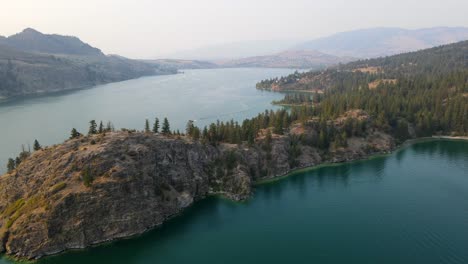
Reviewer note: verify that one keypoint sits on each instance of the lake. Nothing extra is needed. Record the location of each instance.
(408, 207)
(201, 95)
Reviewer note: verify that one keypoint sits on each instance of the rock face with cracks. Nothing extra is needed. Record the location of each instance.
(104, 187)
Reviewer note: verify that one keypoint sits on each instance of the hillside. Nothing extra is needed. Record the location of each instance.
(377, 42)
(34, 63)
(296, 59)
(31, 40)
(300, 59)
(424, 92)
(440, 60)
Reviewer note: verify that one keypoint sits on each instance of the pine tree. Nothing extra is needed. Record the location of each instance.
(196, 133)
(189, 128)
(74, 133)
(36, 145)
(17, 161)
(92, 127)
(101, 128)
(166, 128)
(156, 126)
(10, 165)
(278, 128)
(147, 126)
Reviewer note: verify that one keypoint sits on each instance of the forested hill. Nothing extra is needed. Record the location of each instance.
(419, 94)
(32, 63)
(378, 42)
(428, 63)
(439, 60)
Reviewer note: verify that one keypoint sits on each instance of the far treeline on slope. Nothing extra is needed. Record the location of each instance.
(33, 63)
(426, 91)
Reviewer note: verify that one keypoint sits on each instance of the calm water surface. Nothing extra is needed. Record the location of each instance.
(202, 95)
(409, 207)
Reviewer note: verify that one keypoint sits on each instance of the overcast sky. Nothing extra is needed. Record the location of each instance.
(152, 28)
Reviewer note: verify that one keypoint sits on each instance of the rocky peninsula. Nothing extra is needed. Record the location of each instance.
(98, 188)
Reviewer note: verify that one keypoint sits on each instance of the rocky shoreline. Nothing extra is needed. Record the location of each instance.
(138, 181)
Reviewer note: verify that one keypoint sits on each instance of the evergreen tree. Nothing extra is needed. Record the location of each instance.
(36, 145)
(166, 129)
(10, 165)
(101, 128)
(189, 128)
(92, 127)
(196, 133)
(17, 161)
(74, 134)
(147, 126)
(156, 125)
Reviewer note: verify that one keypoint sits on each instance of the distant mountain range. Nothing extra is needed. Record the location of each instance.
(378, 42)
(32, 63)
(324, 52)
(236, 50)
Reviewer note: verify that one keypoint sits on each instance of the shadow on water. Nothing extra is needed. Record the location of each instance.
(130, 250)
(453, 150)
(209, 213)
(325, 177)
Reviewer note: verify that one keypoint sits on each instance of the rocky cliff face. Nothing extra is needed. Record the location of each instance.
(115, 185)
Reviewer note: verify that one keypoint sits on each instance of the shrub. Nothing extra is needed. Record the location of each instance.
(87, 177)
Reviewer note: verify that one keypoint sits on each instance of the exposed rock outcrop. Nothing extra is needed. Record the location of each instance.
(115, 185)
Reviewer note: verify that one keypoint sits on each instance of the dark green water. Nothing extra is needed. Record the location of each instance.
(409, 207)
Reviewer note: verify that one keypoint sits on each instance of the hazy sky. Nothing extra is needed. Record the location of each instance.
(152, 28)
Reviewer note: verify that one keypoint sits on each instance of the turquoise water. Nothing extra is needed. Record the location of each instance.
(408, 207)
(202, 95)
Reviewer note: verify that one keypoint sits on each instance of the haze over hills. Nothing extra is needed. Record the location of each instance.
(377, 42)
(237, 50)
(32, 63)
(289, 59)
(322, 52)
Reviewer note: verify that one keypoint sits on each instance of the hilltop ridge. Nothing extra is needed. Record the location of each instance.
(36, 63)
